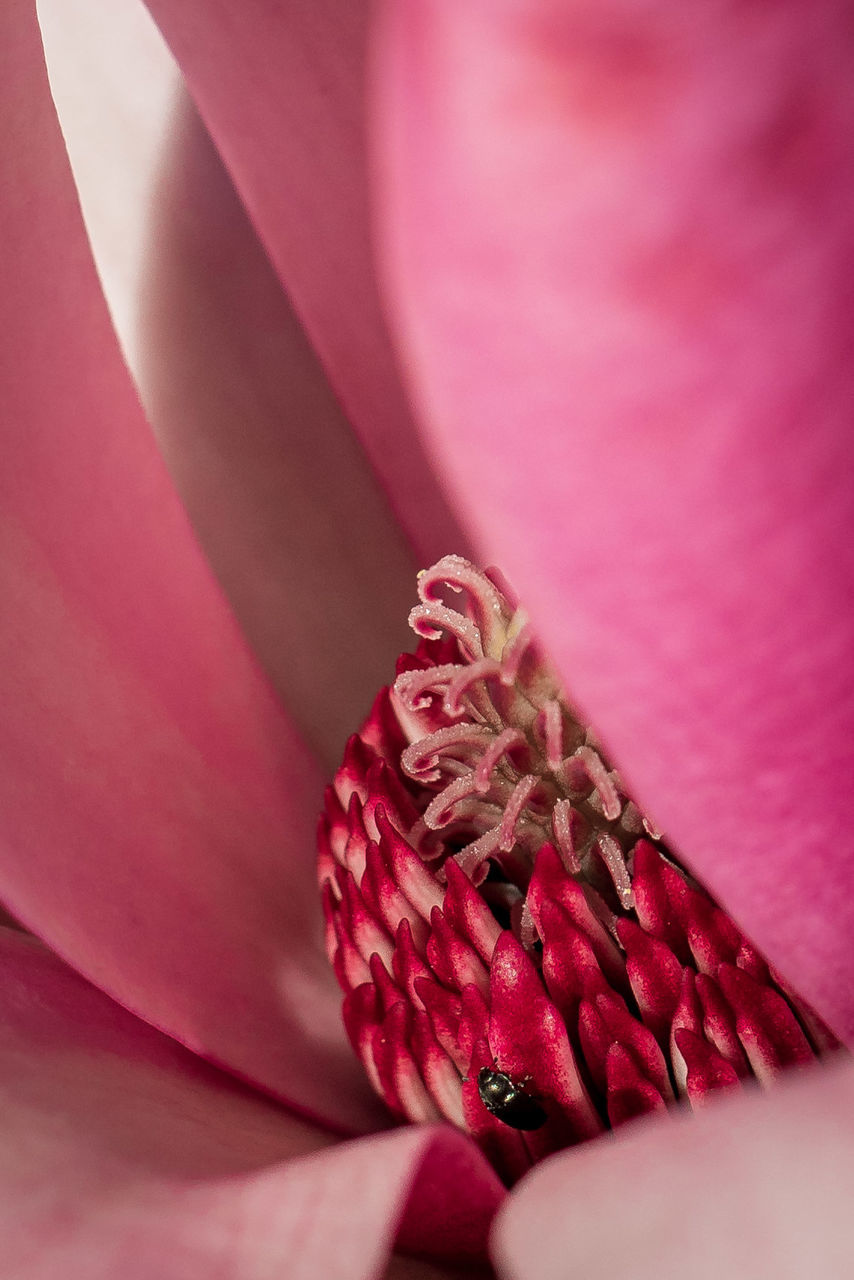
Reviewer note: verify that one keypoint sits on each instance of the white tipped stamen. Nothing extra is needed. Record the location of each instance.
(563, 833)
(414, 688)
(430, 620)
(421, 760)
(612, 856)
(527, 928)
(512, 813)
(472, 857)
(602, 782)
(486, 601)
(441, 810)
(551, 718)
(463, 680)
(506, 739)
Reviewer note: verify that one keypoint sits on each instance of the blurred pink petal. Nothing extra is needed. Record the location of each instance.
(156, 808)
(281, 89)
(262, 455)
(264, 461)
(721, 1194)
(114, 84)
(618, 244)
(124, 1155)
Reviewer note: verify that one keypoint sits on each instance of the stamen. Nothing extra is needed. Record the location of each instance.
(514, 651)
(562, 824)
(439, 812)
(430, 620)
(506, 739)
(414, 687)
(527, 928)
(474, 855)
(485, 599)
(651, 829)
(465, 677)
(601, 780)
(612, 856)
(513, 810)
(551, 718)
(421, 760)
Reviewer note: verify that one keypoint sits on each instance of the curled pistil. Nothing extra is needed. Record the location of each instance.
(520, 952)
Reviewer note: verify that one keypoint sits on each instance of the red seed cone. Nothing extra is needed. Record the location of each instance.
(516, 944)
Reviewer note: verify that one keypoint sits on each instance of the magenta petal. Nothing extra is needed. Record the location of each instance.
(156, 808)
(452, 1199)
(123, 1155)
(281, 88)
(619, 245)
(719, 1194)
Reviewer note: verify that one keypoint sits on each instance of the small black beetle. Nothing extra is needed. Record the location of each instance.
(509, 1102)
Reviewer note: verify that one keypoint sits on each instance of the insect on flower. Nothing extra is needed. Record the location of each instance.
(508, 1101)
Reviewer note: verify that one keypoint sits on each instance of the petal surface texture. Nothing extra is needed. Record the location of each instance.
(719, 1194)
(123, 1155)
(281, 89)
(618, 242)
(263, 458)
(156, 807)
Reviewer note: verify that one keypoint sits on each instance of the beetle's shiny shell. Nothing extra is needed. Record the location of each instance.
(508, 1101)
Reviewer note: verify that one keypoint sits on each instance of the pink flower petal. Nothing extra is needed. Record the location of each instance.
(721, 1193)
(125, 1156)
(619, 242)
(156, 808)
(262, 456)
(114, 85)
(281, 89)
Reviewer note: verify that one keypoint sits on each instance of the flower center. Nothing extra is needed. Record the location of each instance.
(519, 951)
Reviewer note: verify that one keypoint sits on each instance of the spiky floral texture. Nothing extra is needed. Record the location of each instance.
(494, 900)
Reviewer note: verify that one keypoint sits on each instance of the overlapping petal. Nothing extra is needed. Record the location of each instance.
(156, 807)
(618, 243)
(125, 1155)
(264, 461)
(281, 88)
(721, 1194)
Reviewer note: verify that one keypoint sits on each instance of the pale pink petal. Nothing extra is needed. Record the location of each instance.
(114, 84)
(754, 1188)
(156, 808)
(281, 88)
(123, 1155)
(619, 244)
(285, 504)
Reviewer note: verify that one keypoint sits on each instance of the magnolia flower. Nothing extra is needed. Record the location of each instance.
(614, 243)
